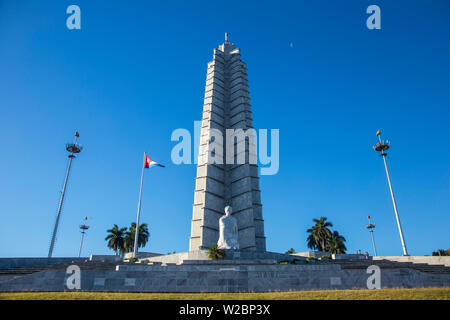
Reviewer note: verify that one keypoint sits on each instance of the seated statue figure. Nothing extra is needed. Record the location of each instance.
(228, 231)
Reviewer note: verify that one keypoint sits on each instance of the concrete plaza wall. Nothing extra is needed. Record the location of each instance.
(104, 257)
(311, 254)
(348, 257)
(142, 255)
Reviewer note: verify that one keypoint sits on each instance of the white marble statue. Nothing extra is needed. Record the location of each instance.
(228, 231)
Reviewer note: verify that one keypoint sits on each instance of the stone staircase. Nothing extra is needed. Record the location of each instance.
(12, 273)
(345, 264)
(387, 264)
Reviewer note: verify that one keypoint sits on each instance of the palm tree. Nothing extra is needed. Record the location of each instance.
(319, 234)
(441, 252)
(311, 241)
(116, 239)
(336, 244)
(142, 236)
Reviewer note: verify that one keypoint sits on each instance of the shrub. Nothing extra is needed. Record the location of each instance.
(311, 259)
(215, 253)
(131, 259)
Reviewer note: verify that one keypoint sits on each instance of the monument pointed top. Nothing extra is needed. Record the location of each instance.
(227, 47)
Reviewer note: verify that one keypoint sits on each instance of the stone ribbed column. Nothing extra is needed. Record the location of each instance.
(226, 106)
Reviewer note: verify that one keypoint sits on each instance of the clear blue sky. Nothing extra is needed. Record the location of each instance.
(136, 71)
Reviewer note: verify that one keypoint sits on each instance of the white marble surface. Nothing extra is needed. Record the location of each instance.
(228, 231)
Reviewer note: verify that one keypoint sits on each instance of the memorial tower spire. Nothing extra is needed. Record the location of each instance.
(218, 184)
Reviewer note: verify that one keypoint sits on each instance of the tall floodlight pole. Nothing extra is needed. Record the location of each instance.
(371, 226)
(136, 231)
(83, 229)
(382, 147)
(72, 148)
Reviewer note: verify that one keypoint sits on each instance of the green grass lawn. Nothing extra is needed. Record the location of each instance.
(381, 294)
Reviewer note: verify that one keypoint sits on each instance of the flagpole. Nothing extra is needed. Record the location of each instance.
(136, 233)
(382, 147)
(73, 148)
(61, 200)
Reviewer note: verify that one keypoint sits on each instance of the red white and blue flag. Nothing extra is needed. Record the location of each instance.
(150, 163)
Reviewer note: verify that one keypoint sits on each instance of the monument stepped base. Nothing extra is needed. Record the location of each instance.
(178, 258)
(232, 275)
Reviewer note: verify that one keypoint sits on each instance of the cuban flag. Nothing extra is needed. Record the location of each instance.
(150, 163)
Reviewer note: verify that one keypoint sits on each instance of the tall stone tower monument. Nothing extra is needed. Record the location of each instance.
(218, 184)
